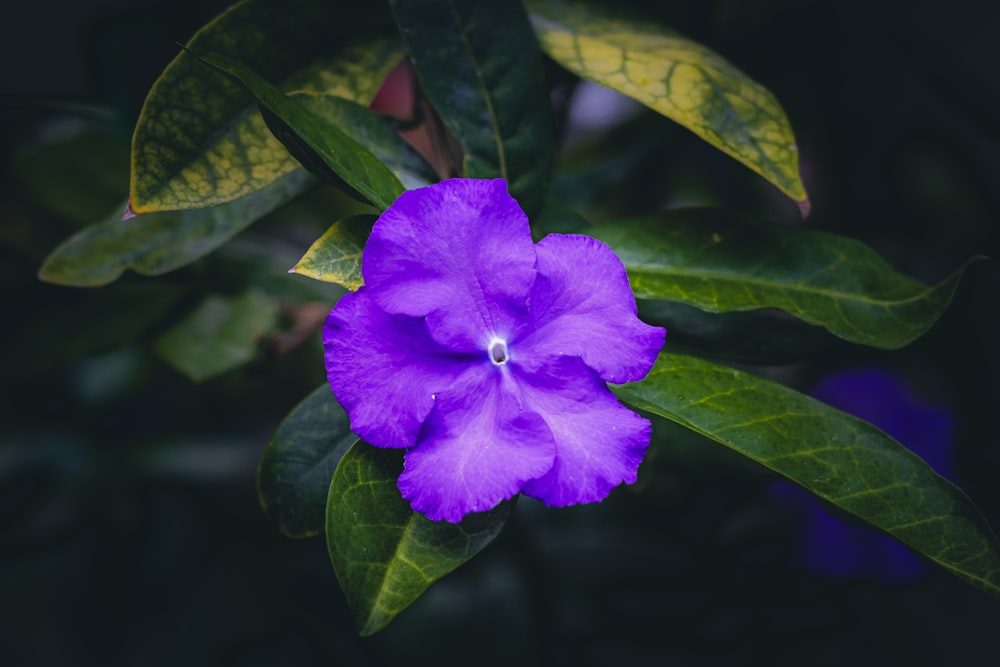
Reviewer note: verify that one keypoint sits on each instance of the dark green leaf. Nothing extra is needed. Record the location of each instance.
(199, 140)
(678, 78)
(348, 159)
(840, 458)
(298, 463)
(759, 337)
(376, 134)
(481, 68)
(156, 243)
(708, 259)
(557, 218)
(220, 334)
(386, 555)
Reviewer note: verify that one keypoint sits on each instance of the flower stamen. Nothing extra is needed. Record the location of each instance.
(498, 351)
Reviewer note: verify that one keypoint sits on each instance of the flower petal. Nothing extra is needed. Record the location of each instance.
(460, 249)
(599, 442)
(582, 305)
(478, 448)
(384, 370)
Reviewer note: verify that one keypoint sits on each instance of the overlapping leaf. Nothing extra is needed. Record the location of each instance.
(335, 257)
(841, 459)
(157, 243)
(199, 139)
(481, 68)
(299, 461)
(347, 158)
(374, 133)
(678, 78)
(708, 259)
(386, 555)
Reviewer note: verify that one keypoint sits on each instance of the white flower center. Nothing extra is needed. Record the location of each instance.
(498, 351)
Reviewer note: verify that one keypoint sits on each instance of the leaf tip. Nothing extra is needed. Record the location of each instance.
(804, 207)
(129, 211)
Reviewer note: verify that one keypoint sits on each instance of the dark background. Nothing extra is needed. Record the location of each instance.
(130, 532)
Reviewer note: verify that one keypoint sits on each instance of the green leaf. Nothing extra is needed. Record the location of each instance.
(156, 243)
(708, 259)
(385, 554)
(346, 157)
(299, 461)
(199, 140)
(759, 337)
(840, 458)
(335, 257)
(481, 68)
(220, 334)
(678, 78)
(376, 134)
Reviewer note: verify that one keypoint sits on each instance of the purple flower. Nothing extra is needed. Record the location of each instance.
(486, 355)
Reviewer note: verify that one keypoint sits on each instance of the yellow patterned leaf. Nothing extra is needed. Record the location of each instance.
(335, 257)
(678, 78)
(193, 150)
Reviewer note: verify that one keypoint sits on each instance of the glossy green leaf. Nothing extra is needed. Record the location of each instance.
(335, 257)
(200, 141)
(157, 243)
(220, 334)
(840, 458)
(676, 77)
(481, 68)
(386, 555)
(708, 259)
(374, 133)
(348, 159)
(299, 461)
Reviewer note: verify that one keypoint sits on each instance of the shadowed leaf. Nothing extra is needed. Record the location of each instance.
(481, 68)
(220, 334)
(845, 461)
(298, 463)
(156, 243)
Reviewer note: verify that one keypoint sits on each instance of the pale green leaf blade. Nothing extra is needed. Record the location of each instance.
(677, 77)
(385, 554)
(157, 243)
(219, 335)
(200, 140)
(335, 257)
(347, 158)
(840, 458)
(298, 463)
(480, 66)
(709, 259)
